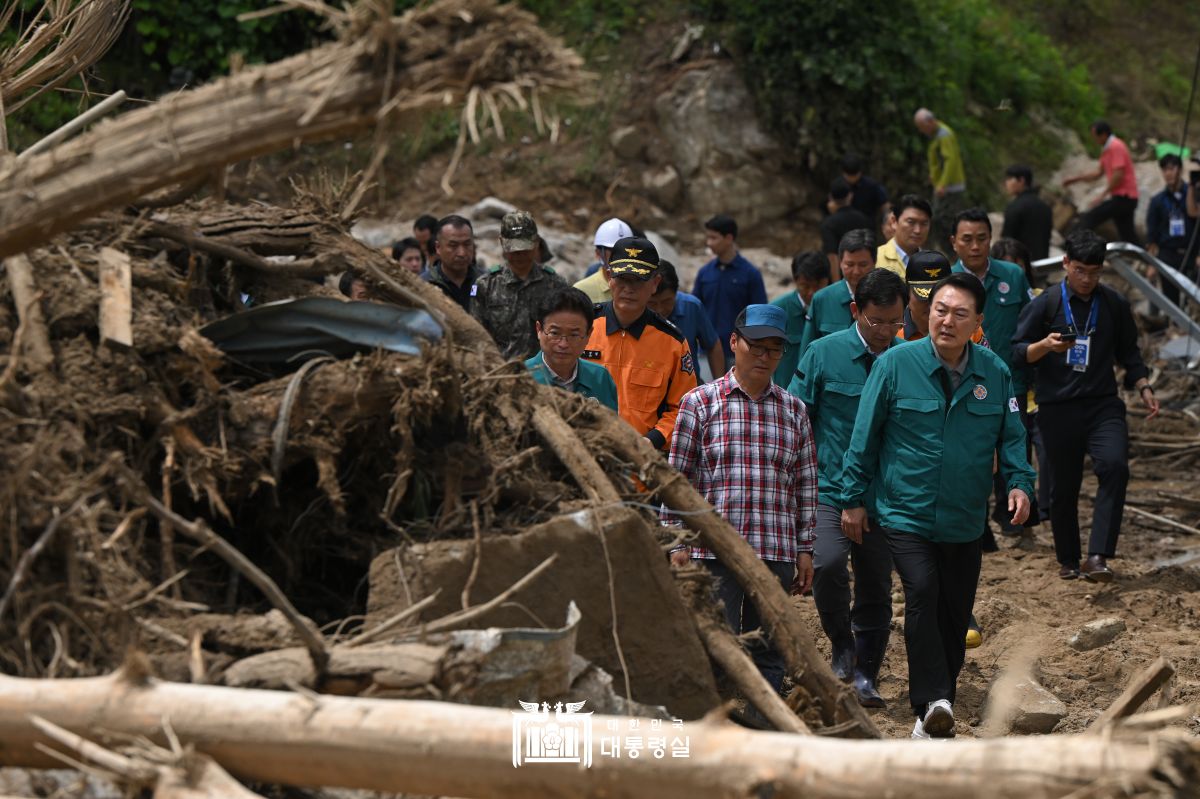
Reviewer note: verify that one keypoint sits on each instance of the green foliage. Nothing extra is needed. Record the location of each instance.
(589, 25)
(840, 75)
(197, 37)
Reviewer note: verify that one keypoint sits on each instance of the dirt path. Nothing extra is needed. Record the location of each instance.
(1026, 611)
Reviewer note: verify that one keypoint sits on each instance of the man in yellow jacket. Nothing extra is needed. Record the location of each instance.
(946, 173)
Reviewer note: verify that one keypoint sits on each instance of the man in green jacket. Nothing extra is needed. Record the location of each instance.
(933, 414)
(564, 323)
(810, 273)
(829, 381)
(829, 311)
(1008, 292)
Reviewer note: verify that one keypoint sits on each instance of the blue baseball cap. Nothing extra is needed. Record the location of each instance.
(762, 321)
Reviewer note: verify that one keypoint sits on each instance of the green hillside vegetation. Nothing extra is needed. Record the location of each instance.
(829, 76)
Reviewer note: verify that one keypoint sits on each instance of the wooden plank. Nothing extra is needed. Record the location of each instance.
(36, 351)
(116, 298)
(1140, 688)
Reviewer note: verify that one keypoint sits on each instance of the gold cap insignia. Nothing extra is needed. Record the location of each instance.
(632, 253)
(934, 272)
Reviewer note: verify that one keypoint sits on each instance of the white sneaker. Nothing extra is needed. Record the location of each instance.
(918, 733)
(939, 720)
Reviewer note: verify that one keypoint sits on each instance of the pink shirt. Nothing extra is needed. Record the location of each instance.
(1115, 155)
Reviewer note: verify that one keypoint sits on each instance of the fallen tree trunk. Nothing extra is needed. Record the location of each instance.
(731, 656)
(437, 748)
(834, 700)
(383, 67)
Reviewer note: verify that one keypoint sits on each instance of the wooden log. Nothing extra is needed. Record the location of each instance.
(574, 455)
(836, 702)
(724, 648)
(373, 669)
(443, 749)
(37, 353)
(449, 51)
(1140, 688)
(116, 299)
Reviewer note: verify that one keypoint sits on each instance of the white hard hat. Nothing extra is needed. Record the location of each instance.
(612, 231)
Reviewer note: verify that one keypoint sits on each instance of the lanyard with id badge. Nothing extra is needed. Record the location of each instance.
(1080, 352)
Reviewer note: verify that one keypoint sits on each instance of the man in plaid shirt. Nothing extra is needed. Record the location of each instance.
(746, 445)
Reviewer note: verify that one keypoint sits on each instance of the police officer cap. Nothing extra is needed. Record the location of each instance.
(925, 269)
(634, 257)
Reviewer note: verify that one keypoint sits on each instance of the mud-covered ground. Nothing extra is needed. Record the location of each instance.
(1028, 614)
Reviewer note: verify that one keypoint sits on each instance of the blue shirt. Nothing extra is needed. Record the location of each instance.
(693, 323)
(725, 290)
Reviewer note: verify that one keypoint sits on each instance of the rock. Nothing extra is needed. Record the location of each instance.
(628, 142)
(1097, 633)
(666, 251)
(490, 208)
(664, 186)
(725, 160)
(1036, 710)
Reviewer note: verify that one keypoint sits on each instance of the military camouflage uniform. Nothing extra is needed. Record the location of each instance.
(507, 307)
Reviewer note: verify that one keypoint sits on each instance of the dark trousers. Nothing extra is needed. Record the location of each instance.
(945, 209)
(871, 611)
(1120, 211)
(939, 582)
(1072, 429)
(1171, 256)
(1043, 469)
(742, 615)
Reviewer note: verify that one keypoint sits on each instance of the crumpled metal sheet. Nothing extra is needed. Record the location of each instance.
(521, 663)
(292, 331)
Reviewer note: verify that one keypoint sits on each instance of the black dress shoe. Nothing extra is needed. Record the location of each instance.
(1068, 572)
(1095, 569)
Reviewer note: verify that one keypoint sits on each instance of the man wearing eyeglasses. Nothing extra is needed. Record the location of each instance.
(829, 380)
(1073, 335)
(647, 356)
(746, 445)
(564, 323)
(932, 416)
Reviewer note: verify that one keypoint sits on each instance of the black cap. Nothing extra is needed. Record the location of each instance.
(925, 269)
(634, 257)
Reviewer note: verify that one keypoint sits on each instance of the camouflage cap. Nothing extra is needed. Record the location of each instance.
(518, 231)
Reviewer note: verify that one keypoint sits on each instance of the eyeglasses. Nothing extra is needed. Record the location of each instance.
(758, 350)
(882, 325)
(570, 338)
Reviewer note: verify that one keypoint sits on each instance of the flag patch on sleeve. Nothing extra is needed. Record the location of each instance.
(1012, 405)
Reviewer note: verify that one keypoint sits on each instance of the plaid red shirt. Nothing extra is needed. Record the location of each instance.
(754, 461)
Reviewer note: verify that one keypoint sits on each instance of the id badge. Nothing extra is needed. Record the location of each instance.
(1077, 356)
(1175, 227)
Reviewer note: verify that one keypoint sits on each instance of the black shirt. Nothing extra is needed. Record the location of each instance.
(839, 223)
(1114, 342)
(460, 294)
(868, 198)
(1029, 220)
